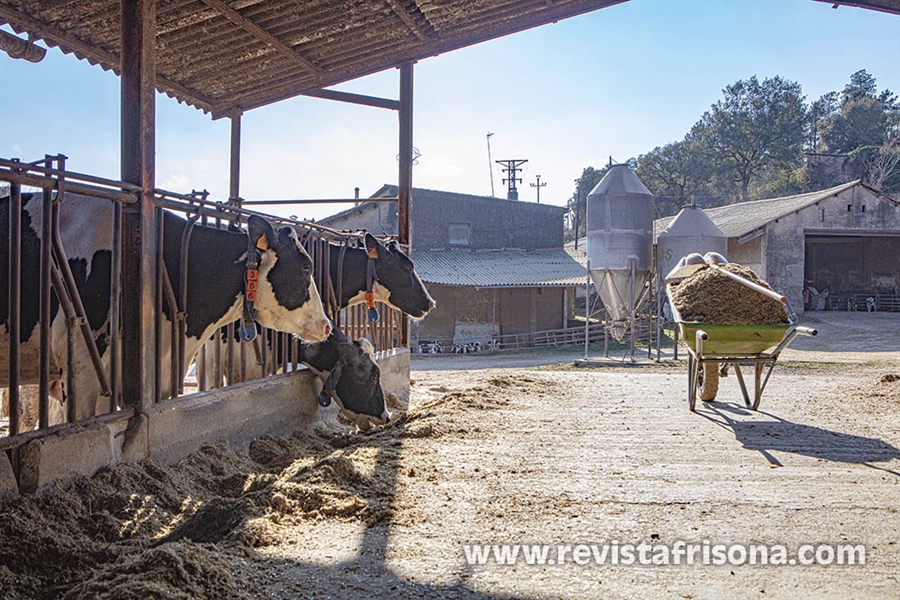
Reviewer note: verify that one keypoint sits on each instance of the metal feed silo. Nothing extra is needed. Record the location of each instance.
(690, 231)
(619, 242)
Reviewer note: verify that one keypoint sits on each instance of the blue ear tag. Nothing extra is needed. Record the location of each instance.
(248, 332)
(324, 399)
(373, 315)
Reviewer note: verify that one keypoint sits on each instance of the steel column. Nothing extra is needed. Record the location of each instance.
(139, 246)
(234, 189)
(404, 181)
(15, 270)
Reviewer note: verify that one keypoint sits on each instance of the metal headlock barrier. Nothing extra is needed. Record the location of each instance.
(224, 360)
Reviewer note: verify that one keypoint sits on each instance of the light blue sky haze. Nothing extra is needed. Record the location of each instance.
(616, 82)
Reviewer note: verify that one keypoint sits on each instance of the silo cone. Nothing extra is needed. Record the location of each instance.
(690, 231)
(620, 243)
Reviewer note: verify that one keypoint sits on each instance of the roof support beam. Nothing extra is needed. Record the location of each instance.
(261, 34)
(140, 373)
(404, 179)
(408, 20)
(354, 99)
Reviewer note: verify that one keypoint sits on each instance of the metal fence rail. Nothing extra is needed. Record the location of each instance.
(863, 302)
(222, 361)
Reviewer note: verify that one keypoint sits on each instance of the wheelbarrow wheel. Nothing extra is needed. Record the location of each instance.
(709, 381)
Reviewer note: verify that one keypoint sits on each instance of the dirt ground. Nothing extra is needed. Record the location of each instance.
(509, 448)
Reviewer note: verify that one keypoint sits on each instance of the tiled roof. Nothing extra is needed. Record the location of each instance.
(500, 268)
(738, 219)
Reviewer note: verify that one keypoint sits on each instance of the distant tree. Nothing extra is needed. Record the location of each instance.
(677, 170)
(818, 110)
(861, 122)
(876, 166)
(757, 125)
(861, 84)
(865, 118)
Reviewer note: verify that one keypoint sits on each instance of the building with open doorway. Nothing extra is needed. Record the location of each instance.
(844, 240)
(495, 267)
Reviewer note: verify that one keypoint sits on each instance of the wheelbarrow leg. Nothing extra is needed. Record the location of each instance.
(760, 381)
(692, 381)
(740, 378)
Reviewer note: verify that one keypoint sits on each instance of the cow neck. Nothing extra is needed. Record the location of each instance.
(355, 269)
(324, 355)
(216, 273)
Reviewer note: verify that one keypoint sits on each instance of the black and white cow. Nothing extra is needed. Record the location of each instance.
(350, 365)
(216, 270)
(396, 282)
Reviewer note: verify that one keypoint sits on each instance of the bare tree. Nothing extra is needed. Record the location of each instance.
(880, 166)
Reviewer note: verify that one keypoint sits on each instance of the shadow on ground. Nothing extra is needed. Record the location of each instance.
(780, 435)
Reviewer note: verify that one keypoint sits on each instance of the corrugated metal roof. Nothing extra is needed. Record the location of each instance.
(501, 268)
(221, 55)
(579, 255)
(739, 219)
(888, 6)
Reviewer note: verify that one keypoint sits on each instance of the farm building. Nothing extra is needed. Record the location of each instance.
(844, 239)
(495, 267)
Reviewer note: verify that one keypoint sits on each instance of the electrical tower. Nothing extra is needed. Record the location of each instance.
(510, 167)
(538, 185)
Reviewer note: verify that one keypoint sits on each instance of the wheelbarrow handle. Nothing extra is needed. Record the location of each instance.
(753, 286)
(807, 331)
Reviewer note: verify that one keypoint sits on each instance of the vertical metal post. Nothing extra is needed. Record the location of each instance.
(234, 188)
(138, 45)
(115, 364)
(605, 321)
(587, 310)
(15, 272)
(46, 265)
(161, 273)
(404, 181)
(633, 299)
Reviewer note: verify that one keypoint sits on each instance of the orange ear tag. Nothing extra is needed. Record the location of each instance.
(262, 243)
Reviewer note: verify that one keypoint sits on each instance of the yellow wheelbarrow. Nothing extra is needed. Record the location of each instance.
(710, 345)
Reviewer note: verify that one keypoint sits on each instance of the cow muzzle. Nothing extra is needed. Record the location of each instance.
(316, 331)
(365, 422)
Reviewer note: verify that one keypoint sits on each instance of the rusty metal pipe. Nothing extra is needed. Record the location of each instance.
(44, 351)
(15, 272)
(72, 322)
(72, 292)
(170, 299)
(16, 47)
(160, 288)
(181, 314)
(115, 368)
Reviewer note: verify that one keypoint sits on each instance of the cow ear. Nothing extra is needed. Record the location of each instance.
(373, 245)
(286, 234)
(261, 233)
(346, 350)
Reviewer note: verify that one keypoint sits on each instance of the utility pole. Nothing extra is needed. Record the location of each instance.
(490, 162)
(538, 185)
(510, 167)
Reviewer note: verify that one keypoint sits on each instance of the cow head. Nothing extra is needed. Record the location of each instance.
(287, 299)
(356, 383)
(397, 283)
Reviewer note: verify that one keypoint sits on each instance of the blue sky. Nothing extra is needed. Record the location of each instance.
(617, 82)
